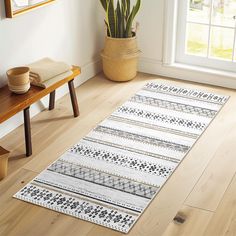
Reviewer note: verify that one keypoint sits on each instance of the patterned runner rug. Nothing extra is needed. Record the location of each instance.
(110, 176)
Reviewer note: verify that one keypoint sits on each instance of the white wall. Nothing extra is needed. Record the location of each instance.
(69, 30)
(150, 34)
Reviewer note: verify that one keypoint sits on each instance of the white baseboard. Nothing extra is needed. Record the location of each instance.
(189, 73)
(88, 71)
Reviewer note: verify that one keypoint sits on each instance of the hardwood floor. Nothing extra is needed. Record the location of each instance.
(201, 193)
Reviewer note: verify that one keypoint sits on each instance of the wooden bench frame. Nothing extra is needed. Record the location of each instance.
(11, 103)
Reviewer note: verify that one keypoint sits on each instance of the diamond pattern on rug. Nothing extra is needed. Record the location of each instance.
(104, 179)
(110, 177)
(163, 118)
(77, 207)
(141, 165)
(173, 106)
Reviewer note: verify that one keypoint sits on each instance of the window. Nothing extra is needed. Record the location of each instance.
(206, 33)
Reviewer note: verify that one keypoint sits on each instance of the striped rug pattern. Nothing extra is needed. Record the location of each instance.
(111, 175)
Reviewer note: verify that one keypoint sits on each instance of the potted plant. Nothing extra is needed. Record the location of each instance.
(120, 54)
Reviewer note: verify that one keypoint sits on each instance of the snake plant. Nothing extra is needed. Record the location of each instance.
(119, 19)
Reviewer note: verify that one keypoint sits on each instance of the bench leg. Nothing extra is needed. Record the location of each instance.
(73, 98)
(52, 100)
(3, 167)
(28, 143)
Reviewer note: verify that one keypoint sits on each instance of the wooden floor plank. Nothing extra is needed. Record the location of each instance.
(189, 221)
(223, 222)
(9, 186)
(211, 187)
(54, 132)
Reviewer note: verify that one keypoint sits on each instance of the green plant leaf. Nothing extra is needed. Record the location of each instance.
(122, 24)
(104, 4)
(124, 6)
(136, 8)
(128, 32)
(108, 33)
(111, 18)
(128, 9)
(119, 20)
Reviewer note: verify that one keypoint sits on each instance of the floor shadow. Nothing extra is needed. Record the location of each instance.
(16, 157)
(54, 119)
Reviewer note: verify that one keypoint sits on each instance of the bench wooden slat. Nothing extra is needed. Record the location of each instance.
(11, 104)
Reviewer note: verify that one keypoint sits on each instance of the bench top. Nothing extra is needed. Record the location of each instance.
(11, 104)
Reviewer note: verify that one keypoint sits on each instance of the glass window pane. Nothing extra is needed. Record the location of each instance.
(199, 11)
(221, 43)
(197, 39)
(223, 12)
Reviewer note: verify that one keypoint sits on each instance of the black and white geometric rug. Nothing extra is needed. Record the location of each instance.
(111, 175)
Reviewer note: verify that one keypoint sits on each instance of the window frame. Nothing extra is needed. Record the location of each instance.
(181, 7)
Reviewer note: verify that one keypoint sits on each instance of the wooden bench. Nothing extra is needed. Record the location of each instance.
(11, 104)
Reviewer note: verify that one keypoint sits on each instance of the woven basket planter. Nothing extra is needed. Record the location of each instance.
(120, 58)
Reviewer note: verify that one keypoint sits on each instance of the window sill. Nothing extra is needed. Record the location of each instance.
(189, 73)
(205, 70)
